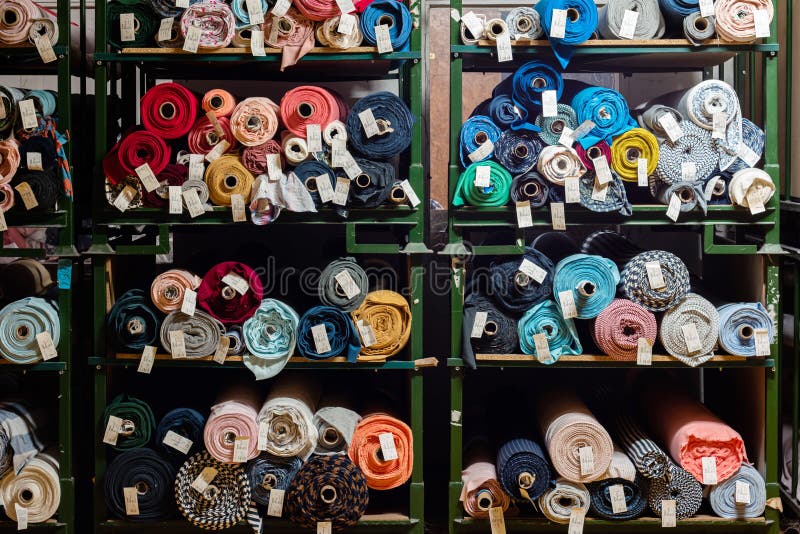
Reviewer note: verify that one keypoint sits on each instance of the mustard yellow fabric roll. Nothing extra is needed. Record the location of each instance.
(390, 317)
(628, 148)
(227, 176)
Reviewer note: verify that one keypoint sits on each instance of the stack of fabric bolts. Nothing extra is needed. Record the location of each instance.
(352, 322)
(24, 22)
(618, 292)
(314, 448)
(301, 155)
(685, 149)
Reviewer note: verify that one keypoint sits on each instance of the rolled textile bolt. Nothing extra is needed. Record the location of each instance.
(363, 181)
(490, 328)
(485, 500)
(398, 195)
(526, 480)
(328, 494)
(531, 189)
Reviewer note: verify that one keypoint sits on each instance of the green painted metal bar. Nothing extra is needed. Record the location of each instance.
(522, 362)
(788, 102)
(456, 445)
(180, 58)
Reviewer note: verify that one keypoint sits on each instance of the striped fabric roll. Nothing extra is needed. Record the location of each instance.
(523, 469)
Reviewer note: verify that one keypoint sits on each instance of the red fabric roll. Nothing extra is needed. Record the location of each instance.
(172, 174)
(202, 138)
(361, 5)
(306, 105)
(317, 10)
(587, 162)
(111, 166)
(617, 329)
(141, 147)
(254, 158)
(169, 110)
(225, 303)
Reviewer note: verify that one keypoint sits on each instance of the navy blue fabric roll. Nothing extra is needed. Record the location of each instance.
(308, 171)
(501, 110)
(555, 245)
(752, 136)
(518, 151)
(237, 346)
(475, 132)
(719, 191)
(513, 290)
(531, 187)
(374, 185)
(132, 322)
(44, 146)
(677, 10)
(399, 28)
(185, 422)
(266, 472)
(600, 503)
(523, 465)
(341, 332)
(151, 475)
(390, 112)
(499, 336)
(527, 86)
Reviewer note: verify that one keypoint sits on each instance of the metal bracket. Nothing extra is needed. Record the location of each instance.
(709, 247)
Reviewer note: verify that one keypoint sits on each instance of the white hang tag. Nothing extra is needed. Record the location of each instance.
(761, 340)
(148, 178)
(479, 324)
(324, 188)
(483, 175)
(221, 353)
(205, 478)
(147, 360)
(347, 24)
(542, 347)
(218, 150)
(747, 155)
(368, 338)
(482, 152)
(577, 517)
(183, 4)
(275, 506)
(410, 193)
(524, 215)
(584, 128)
(22, 516)
(131, 496)
(503, 43)
(688, 171)
(719, 121)
(754, 201)
(257, 43)
(342, 191)
(572, 190)
(113, 428)
(177, 442)
(255, 11)
(348, 285)
(368, 122)
(599, 191)
(274, 170)
(123, 200)
(497, 522)
(345, 6)
(618, 504)
(192, 40)
(709, 470)
(644, 352)
(670, 126)
(558, 24)
(352, 170)
(655, 276)
(602, 170)
(45, 49)
(708, 192)
(586, 456)
(557, 216)
(473, 24)
(549, 103)
(280, 8)
(28, 111)
(314, 137)
(47, 348)
(193, 203)
(674, 208)
(627, 29)
(177, 344)
(566, 138)
(706, 8)
(761, 21)
(235, 281)
(567, 303)
(237, 208)
(669, 514)
(324, 527)
(175, 200)
(641, 172)
(241, 446)
(320, 335)
(196, 166)
(383, 39)
(127, 27)
(532, 270)
(3, 223)
(742, 493)
(189, 302)
(388, 448)
(165, 29)
(692, 338)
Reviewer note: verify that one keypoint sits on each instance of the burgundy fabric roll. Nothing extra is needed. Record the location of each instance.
(202, 138)
(169, 110)
(140, 147)
(254, 158)
(222, 301)
(586, 154)
(172, 174)
(618, 328)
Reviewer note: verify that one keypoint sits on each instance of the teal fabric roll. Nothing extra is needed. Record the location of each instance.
(609, 111)
(270, 336)
(497, 194)
(545, 318)
(592, 279)
(20, 323)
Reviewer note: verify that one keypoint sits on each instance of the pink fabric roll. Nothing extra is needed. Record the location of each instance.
(583, 153)
(6, 197)
(9, 159)
(618, 328)
(234, 415)
(296, 42)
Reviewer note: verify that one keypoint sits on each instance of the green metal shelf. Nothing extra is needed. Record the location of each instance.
(643, 524)
(36, 367)
(235, 362)
(588, 361)
(161, 55)
(368, 523)
(51, 219)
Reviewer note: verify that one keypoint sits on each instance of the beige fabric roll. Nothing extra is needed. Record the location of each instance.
(36, 488)
(557, 163)
(557, 503)
(747, 181)
(288, 414)
(621, 466)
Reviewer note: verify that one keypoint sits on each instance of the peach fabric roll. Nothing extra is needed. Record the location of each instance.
(169, 287)
(220, 101)
(366, 453)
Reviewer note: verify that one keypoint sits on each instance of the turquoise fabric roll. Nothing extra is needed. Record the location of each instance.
(545, 318)
(609, 111)
(270, 336)
(592, 279)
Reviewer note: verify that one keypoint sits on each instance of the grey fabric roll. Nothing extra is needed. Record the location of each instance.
(649, 24)
(335, 428)
(524, 23)
(690, 194)
(201, 332)
(553, 126)
(648, 115)
(723, 496)
(332, 293)
(696, 310)
(698, 28)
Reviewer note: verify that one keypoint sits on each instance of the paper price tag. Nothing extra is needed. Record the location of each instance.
(193, 203)
(655, 276)
(742, 494)
(218, 150)
(483, 175)
(586, 456)
(761, 20)
(542, 347)
(641, 172)
(178, 442)
(314, 136)
(345, 6)
(241, 446)
(324, 188)
(148, 178)
(628, 27)
(126, 27)
(348, 285)
(368, 338)
(189, 302)
(747, 155)
(131, 501)
(147, 360)
(3, 224)
(22, 516)
(368, 122)
(566, 138)
(320, 335)
(342, 191)
(237, 208)
(618, 504)
(324, 527)
(123, 200)
(28, 111)
(709, 470)
(45, 49)
(196, 166)
(177, 344)
(669, 514)
(473, 24)
(602, 170)
(688, 171)
(383, 39)
(221, 353)
(524, 215)
(47, 348)
(572, 190)
(761, 340)
(175, 200)
(263, 436)
(549, 103)
(255, 11)
(274, 170)
(280, 8)
(410, 193)
(165, 29)
(644, 352)
(670, 126)
(238, 283)
(557, 216)
(205, 478)
(533, 271)
(275, 506)
(503, 43)
(479, 324)
(183, 4)
(388, 448)
(29, 199)
(691, 337)
(257, 43)
(113, 427)
(347, 24)
(496, 520)
(352, 169)
(192, 40)
(719, 121)
(754, 201)
(706, 8)
(584, 128)
(567, 302)
(708, 192)
(674, 208)
(480, 153)
(577, 517)
(599, 191)
(455, 417)
(558, 24)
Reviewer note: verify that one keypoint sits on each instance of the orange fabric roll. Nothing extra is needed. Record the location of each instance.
(220, 101)
(365, 451)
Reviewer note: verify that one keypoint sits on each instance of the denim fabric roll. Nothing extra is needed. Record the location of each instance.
(373, 186)
(501, 110)
(616, 198)
(592, 279)
(201, 333)
(151, 475)
(559, 500)
(524, 23)
(185, 422)
(499, 335)
(475, 132)
(553, 127)
(690, 194)
(608, 109)
(527, 85)
(331, 292)
(676, 10)
(309, 172)
(718, 191)
(531, 187)
(497, 194)
(138, 422)
(679, 486)
(20, 323)
(545, 318)
(42, 145)
(132, 323)
(555, 245)
(392, 13)
(339, 329)
(737, 325)
(600, 499)
(512, 289)
(723, 496)
(523, 465)
(236, 346)
(517, 151)
(581, 23)
(649, 23)
(267, 472)
(753, 137)
(394, 119)
(145, 25)
(270, 336)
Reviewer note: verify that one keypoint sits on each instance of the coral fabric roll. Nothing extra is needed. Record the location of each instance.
(480, 490)
(365, 451)
(220, 101)
(306, 105)
(224, 302)
(234, 415)
(168, 110)
(254, 121)
(619, 327)
(203, 137)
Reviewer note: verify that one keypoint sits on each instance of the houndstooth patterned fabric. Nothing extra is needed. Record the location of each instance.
(636, 286)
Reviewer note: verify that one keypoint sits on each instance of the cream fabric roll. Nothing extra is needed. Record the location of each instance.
(36, 488)
(288, 415)
(557, 503)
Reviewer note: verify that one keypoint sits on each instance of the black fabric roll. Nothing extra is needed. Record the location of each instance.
(555, 245)
(680, 486)
(44, 185)
(185, 422)
(532, 187)
(514, 291)
(267, 472)
(600, 504)
(517, 151)
(611, 245)
(372, 187)
(501, 338)
(132, 323)
(42, 145)
(153, 478)
(523, 465)
(145, 27)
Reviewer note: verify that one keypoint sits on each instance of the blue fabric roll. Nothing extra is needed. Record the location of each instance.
(513, 291)
(635, 498)
(754, 138)
(20, 322)
(500, 340)
(736, 324)
(132, 323)
(45, 101)
(518, 151)
(399, 29)
(239, 8)
(342, 335)
(501, 110)
(377, 191)
(576, 32)
(723, 496)
(474, 132)
(266, 472)
(522, 464)
(185, 422)
(676, 10)
(387, 108)
(719, 193)
(151, 475)
(270, 336)
(531, 187)
(527, 84)
(592, 279)
(545, 318)
(608, 109)
(616, 197)
(308, 171)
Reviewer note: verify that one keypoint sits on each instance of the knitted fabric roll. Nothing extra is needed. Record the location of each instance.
(616, 199)
(476, 131)
(339, 330)
(185, 422)
(607, 108)
(636, 285)
(395, 124)
(254, 121)
(44, 186)
(138, 422)
(307, 105)
(390, 317)
(153, 478)
(9, 160)
(254, 158)
(328, 35)
(701, 313)
(517, 151)
(531, 187)
(499, 335)
(143, 146)
(527, 85)
(735, 19)
(215, 20)
(754, 138)
(737, 323)
(201, 333)
(37, 488)
(327, 488)
(480, 490)
(17, 17)
(365, 450)
(332, 293)
(225, 303)
(145, 24)
(267, 472)
(524, 23)
(578, 29)
(619, 327)
(557, 163)
(600, 495)
(751, 183)
(679, 486)
(203, 137)
(132, 324)
(270, 336)
(523, 466)
(373, 186)
(294, 43)
(168, 110)
(220, 101)
(335, 428)
(693, 146)
(497, 194)
(43, 146)
(723, 496)
(168, 289)
(628, 148)
(234, 416)
(394, 14)
(317, 10)
(513, 290)
(225, 177)
(225, 501)
(595, 151)
(649, 23)
(697, 28)
(20, 323)
(545, 318)
(592, 279)
(690, 194)
(553, 127)
(558, 501)
(288, 416)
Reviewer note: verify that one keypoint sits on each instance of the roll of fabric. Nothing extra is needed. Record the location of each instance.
(175, 39)
(225, 303)
(165, 8)
(600, 499)
(524, 23)
(501, 107)
(142, 146)
(340, 330)
(17, 17)
(754, 138)
(545, 318)
(701, 313)
(620, 467)
(719, 189)
(394, 119)
(9, 96)
(650, 460)
(151, 475)
(328, 35)
(44, 101)
(618, 328)
(18, 441)
(394, 14)
(215, 20)
(628, 148)
(517, 151)
(723, 496)
(581, 23)
(237, 346)
(138, 422)
(735, 19)
(241, 12)
(365, 451)
(592, 279)
(201, 333)
(254, 158)
(234, 415)
(295, 149)
(169, 287)
(6, 197)
(616, 199)
(389, 315)
(697, 28)
(474, 133)
(649, 114)
(527, 85)
(270, 336)
(168, 110)
(288, 416)
(254, 121)
(305, 105)
(609, 111)
(372, 187)
(203, 137)
(44, 186)
(513, 290)
(636, 286)
(677, 9)
(531, 187)
(690, 194)
(39, 479)
(309, 172)
(185, 422)
(679, 486)
(9, 160)
(225, 501)
(145, 24)
(44, 147)
(499, 336)
(557, 163)
(751, 183)
(331, 292)
(267, 472)
(20, 323)
(132, 324)
(327, 488)
(523, 466)
(497, 194)
(294, 43)
(335, 428)
(694, 146)
(466, 35)
(220, 101)
(199, 186)
(334, 129)
(172, 175)
(481, 491)
(553, 127)
(737, 323)
(225, 177)
(649, 24)
(558, 501)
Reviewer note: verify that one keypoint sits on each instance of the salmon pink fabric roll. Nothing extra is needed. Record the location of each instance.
(365, 451)
(140, 147)
(235, 415)
(306, 105)
(223, 301)
(317, 10)
(169, 287)
(168, 110)
(295, 36)
(203, 137)
(255, 121)
(220, 101)
(9, 159)
(618, 328)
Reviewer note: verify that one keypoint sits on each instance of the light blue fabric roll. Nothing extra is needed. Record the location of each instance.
(592, 279)
(239, 8)
(576, 31)
(608, 109)
(21, 322)
(723, 496)
(736, 324)
(45, 101)
(545, 318)
(270, 336)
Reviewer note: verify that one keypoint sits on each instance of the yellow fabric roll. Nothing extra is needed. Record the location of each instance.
(227, 176)
(390, 317)
(628, 148)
